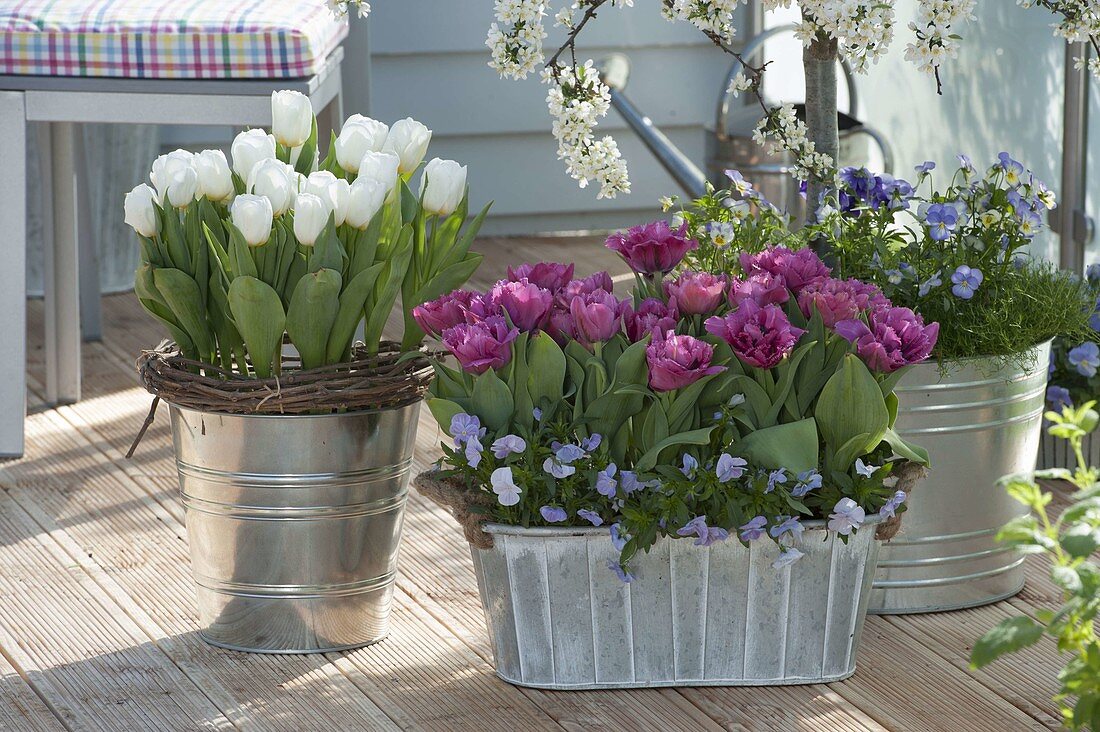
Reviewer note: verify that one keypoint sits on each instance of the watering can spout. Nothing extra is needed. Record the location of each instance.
(615, 72)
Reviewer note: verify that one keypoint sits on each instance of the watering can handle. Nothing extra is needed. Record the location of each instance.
(755, 45)
(882, 144)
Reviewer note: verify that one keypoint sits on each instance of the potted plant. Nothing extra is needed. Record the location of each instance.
(710, 452)
(958, 253)
(293, 442)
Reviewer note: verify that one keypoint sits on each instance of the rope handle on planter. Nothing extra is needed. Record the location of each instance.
(906, 475)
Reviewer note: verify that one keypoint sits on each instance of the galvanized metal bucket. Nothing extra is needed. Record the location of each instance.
(695, 616)
(978, 423)
(294, 524)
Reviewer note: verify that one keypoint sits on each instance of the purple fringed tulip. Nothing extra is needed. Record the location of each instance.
(481, 346)
(526, 303)
(600, 281)
(652, 248)
(652, 316)
(838, 300)
(891, 338)
(560, 325)
(445, 312)
(798, 269)
(596, 316)
(763, 288)
(550, 276)
(696, 293)
(759, 336)
(676, 361)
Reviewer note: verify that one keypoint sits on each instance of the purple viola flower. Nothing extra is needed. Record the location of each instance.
(926, 167)
(730, 467)
(689, 465)
(481, 346)
(676, 361)
(606, 484)
(597, 316)
(798, 268)
(966, 281)
(891, 338)
(537, 414)
(696, 293)
(1085, 358)
(553, 514)
(753, 530)
(527, 304)
(760, 336)
(622, 574)
(808, 480)
(504, 486)
(652, 316)
(787, 525)
(592, 517)
(838, 300)
(707, 535)
(862, 468)
(966, 163)
(592, 442)
(775, 478)
(1013, 169)
(508, 445)
(929, 284)
(465, 427)
(890, 508)
(556, 468)
(762, 288)
(847, 516)
(1094, 319)
(445, 312)
(473, 451)
(1058, 397)
(547, 275)
(618, 539)
(652, 248)
(941, 219)
(631, 483)
(567, 453)
(1092, 273)
(738, 182)
(787, 557)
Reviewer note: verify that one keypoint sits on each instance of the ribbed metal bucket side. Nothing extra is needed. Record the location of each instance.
(978, 423)
(558, 618)
(294, 524)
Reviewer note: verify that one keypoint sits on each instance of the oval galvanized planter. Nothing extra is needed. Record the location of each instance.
(978, 423)
(695, 616)
(294, 524)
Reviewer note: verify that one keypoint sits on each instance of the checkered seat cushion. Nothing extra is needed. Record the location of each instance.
(167, 39)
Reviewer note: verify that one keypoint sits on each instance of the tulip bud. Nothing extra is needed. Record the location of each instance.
(358, 136)
(332, 190)
(252, 215)
(215, 180)
(140, 213)
(442, 186)
(310, 216)
(275, 180)
(183, 186)
(408, 139)
(249, 148)
(165, 167)
(364, 201)
(382, 167)
(291, 117)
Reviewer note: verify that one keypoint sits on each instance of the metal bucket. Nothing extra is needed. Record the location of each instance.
(294, 524)
(695, 616)
(978, 423)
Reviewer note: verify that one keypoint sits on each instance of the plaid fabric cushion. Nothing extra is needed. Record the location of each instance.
(167, 39)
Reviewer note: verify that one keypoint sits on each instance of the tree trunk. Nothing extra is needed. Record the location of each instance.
(819, 62)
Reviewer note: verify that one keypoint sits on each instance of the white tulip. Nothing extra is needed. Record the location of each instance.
(358, 136)
(310, 216)
(140, 213)
(365, 200)
(165, 167)
(183, 186)
(382, 167)
(249, 148)
(215, 180)
(277, 181)
(334, 191)
(408, 139)
(442, 186)
(291, 117)
(252, 215)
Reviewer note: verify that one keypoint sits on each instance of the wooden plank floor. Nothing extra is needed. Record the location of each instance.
(98, 625)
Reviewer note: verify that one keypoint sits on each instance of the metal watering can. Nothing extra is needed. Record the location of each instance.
(730, 144)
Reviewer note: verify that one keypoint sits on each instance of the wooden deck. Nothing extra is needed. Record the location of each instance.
(98, 625)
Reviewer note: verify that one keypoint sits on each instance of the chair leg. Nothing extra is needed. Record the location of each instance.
(91, 324)
(61, 278)
(13, 275)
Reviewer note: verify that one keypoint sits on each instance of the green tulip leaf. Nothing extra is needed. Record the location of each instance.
(352, 301)
(492, 400)
(694, 437)
(546, 369)
(444, 411)
(184, 299)
(792, 446)
(312, 311)
(259, 317)
(851, 404)
(388, 287)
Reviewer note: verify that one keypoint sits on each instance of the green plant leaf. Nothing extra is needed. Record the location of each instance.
(1009, 636)
(312, 311)
(546, 369)
(492, 400)
(304, 164)
(695, 437)
(259, 317)
(184, 299)
(387, 289)
(851, 404)
(904, 449)
(444, 411)
(352, 301)
(792, 446)
(1080, 541)
(240, 254)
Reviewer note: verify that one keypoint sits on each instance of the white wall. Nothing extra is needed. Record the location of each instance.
(429, 60)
